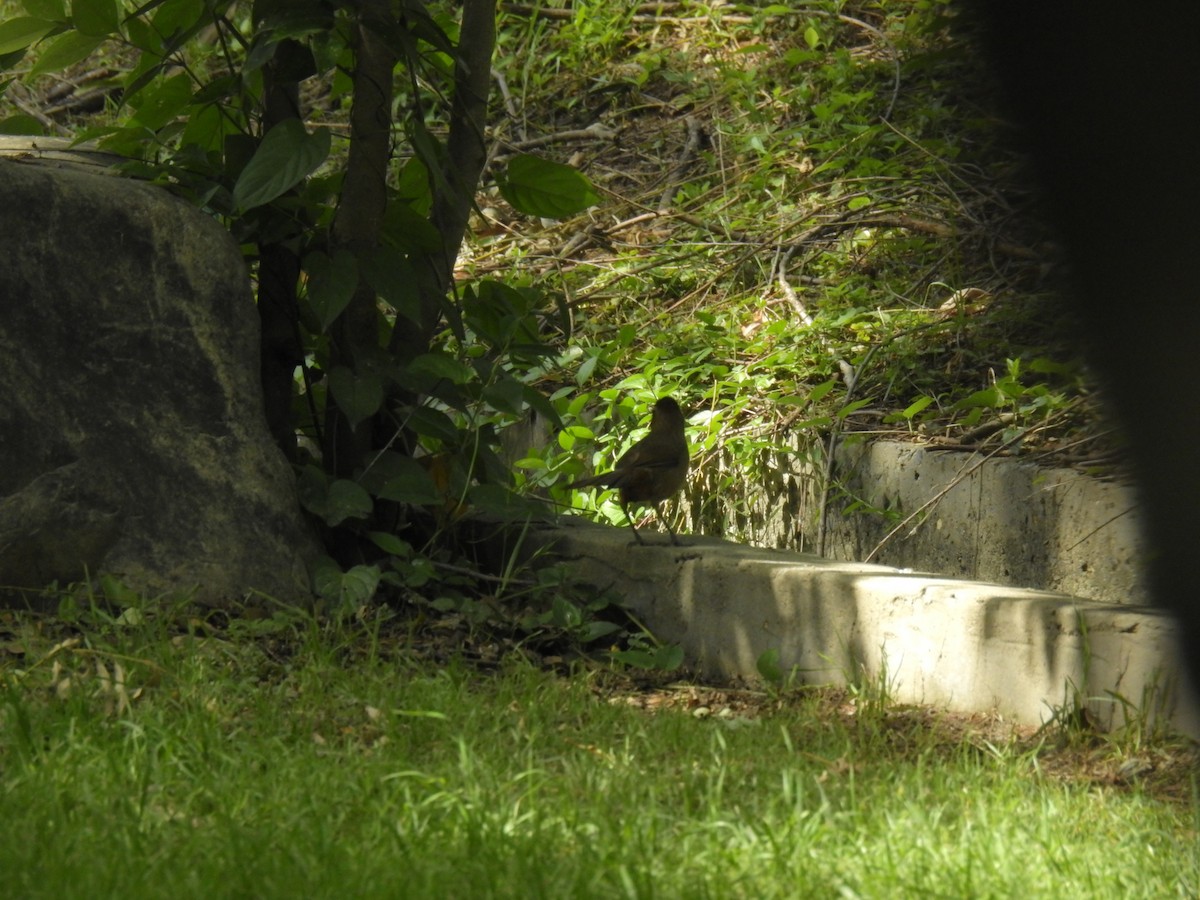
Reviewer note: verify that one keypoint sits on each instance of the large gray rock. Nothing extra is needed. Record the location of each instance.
(132, 437)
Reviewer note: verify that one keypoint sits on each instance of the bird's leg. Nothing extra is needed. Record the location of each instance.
(637, 537)
(670, 530)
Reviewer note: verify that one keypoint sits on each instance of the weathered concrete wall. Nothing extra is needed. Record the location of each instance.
(1001, 519)
(962, 645)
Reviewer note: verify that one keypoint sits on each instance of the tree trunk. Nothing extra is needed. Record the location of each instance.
(280, 349)
(466, 154)
(359, 220)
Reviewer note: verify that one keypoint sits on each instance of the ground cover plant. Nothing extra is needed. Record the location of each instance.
(812, 228)
(145, 755)
(802, 221)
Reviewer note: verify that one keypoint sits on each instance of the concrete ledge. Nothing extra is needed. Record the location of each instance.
(961, 645)
(1000, 519)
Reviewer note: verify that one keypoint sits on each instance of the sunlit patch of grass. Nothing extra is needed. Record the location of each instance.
(352, 770)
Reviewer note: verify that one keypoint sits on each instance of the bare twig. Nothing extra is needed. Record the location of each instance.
(482, 576)
(591, 133)
(25, 106)
(895, 57)
(510, 105)
(850, 376)
(1101, 527)
(685, 155)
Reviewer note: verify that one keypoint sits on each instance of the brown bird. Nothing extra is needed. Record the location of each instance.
(653, 469)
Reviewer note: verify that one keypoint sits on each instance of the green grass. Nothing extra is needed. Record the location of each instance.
(321, 764)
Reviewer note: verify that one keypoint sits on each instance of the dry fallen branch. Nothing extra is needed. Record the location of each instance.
(591, 133)
(690, 148)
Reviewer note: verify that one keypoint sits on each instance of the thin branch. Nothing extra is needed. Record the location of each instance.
(895, 57)
(690, 148)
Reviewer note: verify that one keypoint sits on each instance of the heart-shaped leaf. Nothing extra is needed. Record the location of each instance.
(287, 155)
(331, 283)
(358, 395)
(548, 189)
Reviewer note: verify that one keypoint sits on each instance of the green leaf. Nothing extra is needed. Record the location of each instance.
(539, 187)
(572, 433)
(393, 476)
(287, 155)
(818, 422)
(55, 10)
(668, 657)
(218, 90)
(587, 368)
(63, 51)
(347, 500)
(359, 585)
(598, 629)
(393, 278)
(407, 481)
(149, 67)
(26, 125)
(293, 18)
(916, 406)
(431, 152)
(332, 501)
(21, 32)
(986, 398)
(207, 128)
(505, 394)
(423, 26)
(537, 400)
(391, 544)
(639, 659)
(565, 613)
(769, 668)
(358, 395)
(416, 572)
(663, 658)
(141, 35)
(327, 578)
(853, 407)
(819, 391)
(412, 186)
(408, 230)
(433, 423)
(331, 284)
(261, 52)
(440, 366)
(98, 18)
(177, 19)
(1044, 366)
(160, 104)
(344, 589)
(116, 592)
